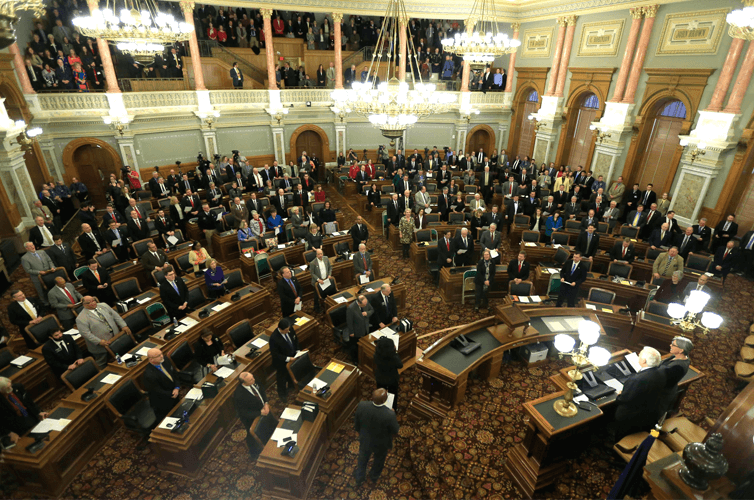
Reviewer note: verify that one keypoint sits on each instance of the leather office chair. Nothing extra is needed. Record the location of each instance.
(139, 323)
(342, 247)
(602, 227)
(126, 289)
(530, 236)
(107, 260)
(6, 356)
(262, 265)
(80, 375)
(120, 344)
(522, 220)
(432, 266)
(468, 286)
(240, 333)
(600, 295)
(698, 263)
(144, 194)
(262, 429)
(196, 298)
(140, 247)
(277, 262)
(336, 320)
(627, 231)
(133, 408)
(189, 370)
(387, 188)
(424, 235)
(618, 269)
(454, 218)
(182, 263)
(235, 280)
(658, 309)
(179, 236)
(627, 446)
(524, 288)
(229, 221)
(309, 256)
(572, 225)
(41, 331)
(559, 238)
(433, 217)
(302, 370)
(48, 279)
(244, 246)
(652, 254)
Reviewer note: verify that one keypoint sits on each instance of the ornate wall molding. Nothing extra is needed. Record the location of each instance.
(528, 79)
(600, 39)
(537, 42)
(692, 33)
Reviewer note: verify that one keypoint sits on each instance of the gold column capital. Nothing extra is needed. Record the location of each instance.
(515, 27)
(337, 17)
(187, 6)
(266, 13)
(650, 10)
(636, 12)
(562, 22)
(571, 20)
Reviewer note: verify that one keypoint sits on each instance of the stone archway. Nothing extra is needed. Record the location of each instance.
(90, 160)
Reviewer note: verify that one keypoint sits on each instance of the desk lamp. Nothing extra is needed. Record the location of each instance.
(686, 315)
(589, 333)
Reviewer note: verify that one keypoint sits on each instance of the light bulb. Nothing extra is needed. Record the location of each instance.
(676, 310)
(598, 356)
(589, 332)
(711, 320)
(564, 343)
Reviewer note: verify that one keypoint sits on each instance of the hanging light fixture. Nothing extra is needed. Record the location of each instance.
(741, 21)
(139, 29)
(482, 42)
(8, 17)
(390, 104)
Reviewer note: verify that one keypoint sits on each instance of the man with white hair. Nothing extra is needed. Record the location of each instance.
(37, 263)
(640, 401)
(464, 246)
(18, 411)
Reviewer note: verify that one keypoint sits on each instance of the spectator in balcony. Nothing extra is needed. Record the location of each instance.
(497, 80)
(175, 63)
(241, 34)
(278, 27)
(48, 58)
(37, 44)
(307, 83)
(49, 77)
(291, 76)
(64, 75)
(211, 32)
(331, 76)
(52, 44)
(253, 41)
(324, 35)
(232, 35)
(321, 76)
(66, 46)
(35, 74)
(237, 76)
(447, 69)
(290, 29)
(316, 31)
(301, 75)
(32, 55)
(350, 76)
(61, 32)
(222, 36)
(310, 40)
(133, 179)
(79, 76)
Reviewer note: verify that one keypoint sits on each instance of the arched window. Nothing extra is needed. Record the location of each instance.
(526, 140)
(533, 97)
(583, 138)
(662, 145)
(674, 109)
(592, 102)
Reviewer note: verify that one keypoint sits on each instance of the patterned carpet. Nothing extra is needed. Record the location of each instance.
(461, 456)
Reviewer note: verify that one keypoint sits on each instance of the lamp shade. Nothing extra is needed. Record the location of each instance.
(589, 332)
(599, 356)
(564, 343)
(676, 310)
(711, 320)
(696, 301)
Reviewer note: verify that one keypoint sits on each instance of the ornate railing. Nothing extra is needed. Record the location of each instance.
(239, 97)
(318, 97)
(152, 84)
(157, 100)
(487, 98)
(81, 103)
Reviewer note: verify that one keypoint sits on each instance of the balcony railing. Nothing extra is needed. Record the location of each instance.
(152, 84)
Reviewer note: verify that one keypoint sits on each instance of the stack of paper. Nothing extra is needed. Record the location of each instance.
(290, 414)
(168, 423)
(317, 384)
(143, 351)
(259, 343)
(220, 307)
(126, 357)
(194, 393)
(535, 298)
(189, 321)
(223, 360)
(301, 321)
(523, 300)
(300, 353)
(530, 244)
(74, 333)
(141, 301)
(111, 378)
(614, 384)
(363, 278)
(21, 360)
(50, 424)
(390, 400)
(181, 328)
(581, 398)
(340, 300)
(633, 360)
(591, 306)
(335, 367)
(223, 372)
(553, 270)
(303, 268)
(280, 435)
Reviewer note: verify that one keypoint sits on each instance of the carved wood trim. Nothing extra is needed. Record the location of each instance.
(528, 79)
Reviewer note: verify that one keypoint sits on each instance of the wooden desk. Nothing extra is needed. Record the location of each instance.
(328, 244)
(225, 248)
(48, 472)
(36, 377)
(663, 479)
(350, 293)
(187, 453)
(656, 331)
(131, 270)
(345, 395)
(538, 253)
(290, 478)
(342, 272)
(418, 254)
(308, 333)
(407, 351)
(451, 284)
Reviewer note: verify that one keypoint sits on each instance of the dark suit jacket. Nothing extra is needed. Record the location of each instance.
(287, 297)
(585, 222)
(137, 233)
(58, 358)
(182, 186)
(149, 261)
(393, 214)
(464, 258)
(640, 402)
(514, 273)
(443, 253)
(18, 316)
(358, 324)
(90, 281)
(281, 208)
(588, 250)
(384, 314)
(497, 218)
(690, 246)
(35, 235)
(563, 198)
(10, 421)
(578, 277)
(616, 253)
(171, 300)
(248, 405)
(376, 426)
(731, 232)
(513, 211)
(279, 348)
(88, 248)
(66, 258)
(479, 278)
(705, 234)
(726, 263)
(160, 387)
(358, 235)
(164, 227)
(207, 220)
(632, 215)
(656, 240)
(651, 199)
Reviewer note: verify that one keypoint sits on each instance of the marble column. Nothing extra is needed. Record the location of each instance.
(465, 76)
(556, 58)
(104, 54)
(512, 62)
(565, 58)
(625, 65)
(278, 139)
(196, 59)
(402, 51)
(726, 75)
(340, 138)
(47, 147)
(650, 13)
(23, 76)
(337, 19)
(742, 82)
(268, 49)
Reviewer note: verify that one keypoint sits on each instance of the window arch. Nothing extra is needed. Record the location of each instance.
(674, 109)
(533, 96)
(591, 102)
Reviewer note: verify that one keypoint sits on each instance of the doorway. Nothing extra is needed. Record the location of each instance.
(311, 142)
(94, 165)
(480, 139)
(526, 139)
(662, 146)
(583, 138)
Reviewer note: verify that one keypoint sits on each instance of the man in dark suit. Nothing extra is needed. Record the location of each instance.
(62, 256)
(518, 269)
(394, 211)
(464, 248)
(561, 197)
(491, 240)
(724, 232)
(446, 250)
(633, 200)
(494, 217)
(648, 197)
(137, 228)
(279, 202)
(283, 348)
(623, 252)
(54, 207)
(358, 319)
(251, 402)
(111, 214)
(62, 353)
(589, 219)
(191, 202)
(359, 232)
(290, 291)
(636, 218)
(686, 243)
(91, 242)
(376, 425)
(385, 308)
(639, 404)
(572, 276)
(41, 234)
(153, 258)
(486, 179)
(746, 257)
(484, 279)
(253, 204)
(702, 232)
(97, 282)
(588, 242)
(237, 76)
(572, 209)
(515, 208)
(117, 238)
(22, 312)
(18, 411)
(174, 294)
(660, 237)
(725, 258)
(185, 185)
(443, 204)
(161, 382)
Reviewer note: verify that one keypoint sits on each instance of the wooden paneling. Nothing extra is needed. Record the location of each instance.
(660, 152)
(526, 141)
(582, 141)
(528, 79)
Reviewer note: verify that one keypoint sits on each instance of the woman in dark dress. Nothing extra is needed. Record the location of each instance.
(207, 348)
(213, 278)
(386, 366)
(327, 214)
(476, 223)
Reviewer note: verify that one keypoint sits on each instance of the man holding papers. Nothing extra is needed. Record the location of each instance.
(153, 258)
(161, 383)
(63, 298)
(464, 246)
(386, 311)
(490, 240)
(322, 280)
(283, 348)
(251, 402)
(572, 276)
(290, 292)
(362, 264)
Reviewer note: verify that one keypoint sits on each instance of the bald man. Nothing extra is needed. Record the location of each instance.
(63, 298)
(251, 402)
(161, 382)
(376, 425)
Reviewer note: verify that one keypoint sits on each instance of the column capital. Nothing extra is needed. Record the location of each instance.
(650, 10)
(571, 20)
(337, 17)
(515, 27)
(636, 12)
(562, 22)
(266, 13)
(187, 6)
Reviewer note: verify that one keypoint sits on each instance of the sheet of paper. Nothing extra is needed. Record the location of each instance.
(427, 210)
(555, 245)
(461, 251)
(552, 270)
(614, 384)
(46, 425)
(247, 255)
(297, 307)
(220, 307)
(187, 209)
(111, 378)
(281, 246)
(126, 357)
(605, 309)
(301, 321)
(281, 434)
(141, 301)
(72, 331)
(189, 321)
(168, 421)
(390, 400)
(317, 384)
(143, 351)
(325, 284)
(363, 278)
(335, 367)
(340, 300)
(494, 254)
(194, 393)
(21, 360)
(290, 414)
(172, 240)
(61, 423)
(300, 353)
(223, 372)
(370, 289)
(573, 322)
(535, 298)
(303, 268)
(709, 274)
(523, 299)
(116, 243)
(591, 306)
(530, 244)
(181, 328)
(219, 217)
(581, 398)
(223, 360)
(633, 360)
(259, 343)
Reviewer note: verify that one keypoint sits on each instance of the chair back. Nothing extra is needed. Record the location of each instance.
(262, 264)
(619, 269)
(559, 238)
(652, 254)
(431, 187)
(125, 396)
(121, 344)
(262, 429)
(240, 333)
(424, 235)
(572, 225)
(164, 203)
(658, 308)
(48, 279)
(432, 254)
(342, 247)
(302, 370)
(181, 356)
(602, 227)
(80, 375)
(470, 189)
(157, 313)
(530, 236)
(698, 262)
(601, 295)
(433, 217)
(522, 220)
(235, 280)
(388, 188)
(137, 320)
(248, 244)
(143, 194)
(310, 255)
(629, 232)
(140, 247)
(317, 206)
(524, 288)
(107, 260)
(277, 262)
(79, 271)
(561, 256)
(196, 297)
(229, 220)
(182, 261)
(41, 331)
(455, 218)
(125, 289)
(6, 356)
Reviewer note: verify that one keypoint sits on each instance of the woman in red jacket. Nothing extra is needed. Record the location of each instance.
(319, 195)
(354, 170)
(211, 32)
(222, 36)
(369, 169)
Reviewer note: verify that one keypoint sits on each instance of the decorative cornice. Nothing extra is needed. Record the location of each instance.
(515, 27)
(266, 13)
(187, 6)
(562, 22)
(571, 20)
(337, 17)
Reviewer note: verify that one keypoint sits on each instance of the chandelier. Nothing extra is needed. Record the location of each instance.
(482, 42)
(8, 17)
(741, 21)
(390, 104)
(140, 30)
(687, 316)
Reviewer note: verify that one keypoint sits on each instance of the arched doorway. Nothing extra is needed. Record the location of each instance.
(313, 140)
(481, 137)
(92, 161)
(661, 147)
(526, 139)
(580, 138)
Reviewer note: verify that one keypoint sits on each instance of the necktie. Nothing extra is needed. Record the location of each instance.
(624, 251)
(165, 372)
(726, 254)
(138, 223)
(293, 288)
(26, 306)
(519, 265)
(175, 287)
(256, 391)
(447, 243)
(188, 186)
(62, 344)
(162, 187)
(96, 274)
(17, 403)
(287, 339)
(646, 197)
(662, 235)
(727, 225)
(636, 219)
(670, 259)
(750, 244)
(62, 249)
(70, 297)
(102, 318)
(364, 258)
(573, 269)
(685, 240)
(37, 256)
(589, 241)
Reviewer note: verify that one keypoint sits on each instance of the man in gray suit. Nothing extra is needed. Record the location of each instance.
(98, 323)
(37, 263)
(362, 263)
(421, 199)
(63, 298)
(357, 318)
(510, 187)
(490, 240)
(321, 270)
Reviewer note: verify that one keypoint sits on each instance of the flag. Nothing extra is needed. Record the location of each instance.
(631, 477)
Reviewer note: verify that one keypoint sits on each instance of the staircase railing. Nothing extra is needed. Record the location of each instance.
(210, 48)
(358, 57)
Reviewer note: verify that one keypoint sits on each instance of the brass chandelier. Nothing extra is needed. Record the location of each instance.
(390, 104)
(138, 29)
(482, 42)
(8, 17)
(741, 21)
